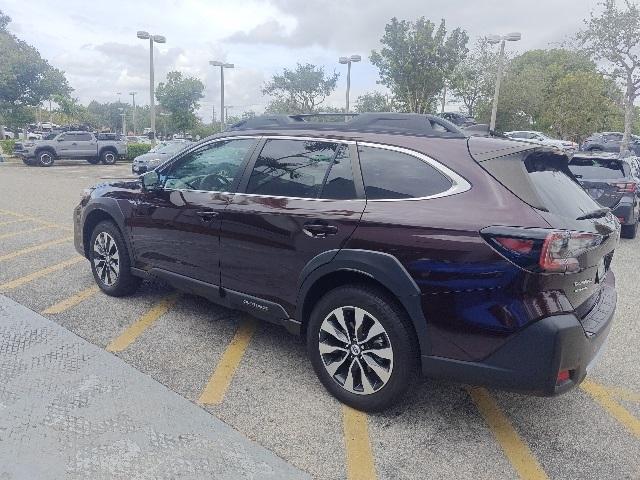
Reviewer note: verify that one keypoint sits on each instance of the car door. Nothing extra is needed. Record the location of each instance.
(176, 227)
(84, 145)
(297, 200)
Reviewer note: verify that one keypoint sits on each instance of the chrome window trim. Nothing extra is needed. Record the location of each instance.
(458, 183)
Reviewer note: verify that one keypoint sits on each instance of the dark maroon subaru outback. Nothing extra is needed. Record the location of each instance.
(393, 243)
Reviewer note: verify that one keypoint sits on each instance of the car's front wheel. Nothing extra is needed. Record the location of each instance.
(45, 158)
(110, 261)
(362, 347)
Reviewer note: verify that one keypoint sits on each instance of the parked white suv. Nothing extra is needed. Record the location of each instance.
(541, 139)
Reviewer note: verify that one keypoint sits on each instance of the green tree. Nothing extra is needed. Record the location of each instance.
(416, 59)
(573, 119)
(301, 90)
(179, 96)
(530, 86)
(374, 102)
(473, 80)
(613, 37)
(26, 79)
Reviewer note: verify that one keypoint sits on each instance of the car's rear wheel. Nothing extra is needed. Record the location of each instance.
(108, 157)
(110, 261)
(45, 158)
(629, 231)
(362, 347)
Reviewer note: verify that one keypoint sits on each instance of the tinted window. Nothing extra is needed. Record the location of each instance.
(597, 168)
(83, 137)
(213, 167)
(542, 181)
(304, 169)
(613, 137)
(388, 174)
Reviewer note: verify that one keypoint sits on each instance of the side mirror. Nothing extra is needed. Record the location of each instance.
(151, 180)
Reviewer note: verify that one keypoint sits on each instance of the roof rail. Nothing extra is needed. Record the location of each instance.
(387, 122)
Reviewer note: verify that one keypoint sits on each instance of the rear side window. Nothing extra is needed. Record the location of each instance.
(597, 168)
(83, 137)
(389, 174)
(303, 169)
(543, 181)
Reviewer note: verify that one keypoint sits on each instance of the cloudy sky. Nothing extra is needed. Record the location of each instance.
(95, 42)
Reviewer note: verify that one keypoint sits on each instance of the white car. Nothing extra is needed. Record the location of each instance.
(541, 139)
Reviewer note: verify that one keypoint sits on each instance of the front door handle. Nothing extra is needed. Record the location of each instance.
(318, 229)
(207, 215)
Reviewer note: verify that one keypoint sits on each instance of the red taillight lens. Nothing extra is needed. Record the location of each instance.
(563, 376)
(517, 245)
(627, 187)
(561, 249)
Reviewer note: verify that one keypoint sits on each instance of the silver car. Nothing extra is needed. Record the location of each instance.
(156, 156)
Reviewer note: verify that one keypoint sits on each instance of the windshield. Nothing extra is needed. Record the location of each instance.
(597, 168)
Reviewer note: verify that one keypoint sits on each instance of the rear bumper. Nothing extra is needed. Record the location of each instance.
(625, 213)
(531, 360)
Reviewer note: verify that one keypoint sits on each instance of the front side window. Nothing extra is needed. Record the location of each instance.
(214, 167)
(389, 174)
(303, 169)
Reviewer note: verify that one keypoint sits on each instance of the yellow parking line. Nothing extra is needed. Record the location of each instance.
(34, 219)
(71, 301)
(10, 222)
(360, 462)
(623, 394)
(602, 395)
(39, 273)
(216, 388)
(32, 230)
(518, 453)
(35, 248)
(132, 332)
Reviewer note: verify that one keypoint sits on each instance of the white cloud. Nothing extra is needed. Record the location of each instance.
(95, 44)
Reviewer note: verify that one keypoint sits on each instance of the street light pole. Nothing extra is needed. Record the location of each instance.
(152, 104)
(494, 39)
(133, 95)
(222, 65)
(348, 61)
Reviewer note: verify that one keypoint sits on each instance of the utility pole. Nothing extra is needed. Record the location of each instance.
(222, 65)
(494, 39)
(152, 103)
(133, 94)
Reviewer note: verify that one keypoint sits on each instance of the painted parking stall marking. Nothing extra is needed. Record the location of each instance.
(216, 388)
(18, 282)
(605, 399)
(518, 453)
(132, 332)
(359, 456)
(35, 248)
(25, 232)
(31, 218)
(71, 301)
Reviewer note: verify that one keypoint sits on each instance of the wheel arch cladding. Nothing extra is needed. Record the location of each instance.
(105, 209)
(340, 267)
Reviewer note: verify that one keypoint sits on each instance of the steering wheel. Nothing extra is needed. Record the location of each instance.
(214, 182)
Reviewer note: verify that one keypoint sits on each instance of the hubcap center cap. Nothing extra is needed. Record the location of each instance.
(355, 349)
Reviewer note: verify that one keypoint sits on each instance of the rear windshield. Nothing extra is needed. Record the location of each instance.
(543, 181)
(597, 168)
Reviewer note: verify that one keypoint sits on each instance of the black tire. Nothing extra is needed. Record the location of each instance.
(94, 160)
(629, 231)
(45, 158)
(124, 282)
(108, 157)
(398, 336)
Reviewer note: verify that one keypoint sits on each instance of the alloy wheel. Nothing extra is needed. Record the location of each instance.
(355, 350)
(106, 258)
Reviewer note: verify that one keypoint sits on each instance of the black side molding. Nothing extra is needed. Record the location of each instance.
(257, 307)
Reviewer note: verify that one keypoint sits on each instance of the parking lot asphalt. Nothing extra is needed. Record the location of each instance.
(256, 378)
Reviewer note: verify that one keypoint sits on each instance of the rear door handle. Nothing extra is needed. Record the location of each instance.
(319, 229)
(207, 215)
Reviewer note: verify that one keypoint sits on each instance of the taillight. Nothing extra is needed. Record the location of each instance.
(627, 187)
(542, 250)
